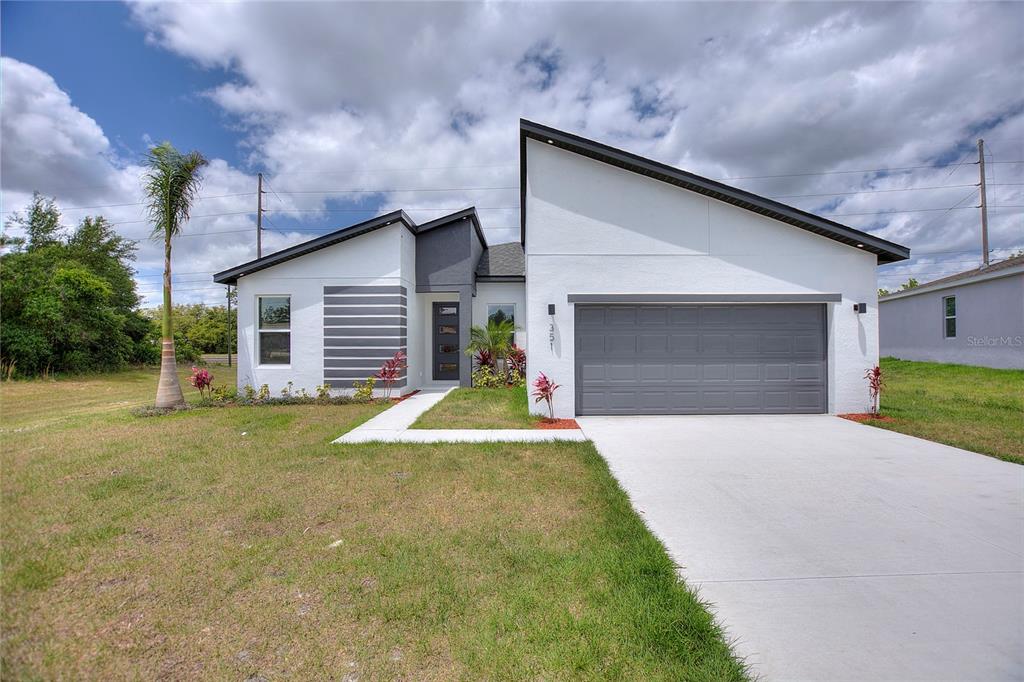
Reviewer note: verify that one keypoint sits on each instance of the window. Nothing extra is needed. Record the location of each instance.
(499, 312)
(949, 313)
(275, 336)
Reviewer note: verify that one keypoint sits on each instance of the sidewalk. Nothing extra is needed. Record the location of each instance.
(392, 426)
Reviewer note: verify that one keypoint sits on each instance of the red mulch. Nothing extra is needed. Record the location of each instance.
(403, 397)
(866, 417)
(557, 424)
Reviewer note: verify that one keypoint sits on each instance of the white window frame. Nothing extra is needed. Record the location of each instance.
(259, 330)
(487, 312)
(946, 317)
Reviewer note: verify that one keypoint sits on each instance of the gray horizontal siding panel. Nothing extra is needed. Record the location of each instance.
(395, 343)
(367, 289)
(705, 298)
(353, 374)
(364, 300)
(364, 321)
(343, 383)
(331, 311)
(344, 332)
(379, 354)
(353, 363)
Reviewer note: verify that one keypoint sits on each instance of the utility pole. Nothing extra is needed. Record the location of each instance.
(984, 204)
(230, 335)
(259, 215)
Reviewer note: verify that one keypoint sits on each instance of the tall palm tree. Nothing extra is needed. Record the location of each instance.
(171, 185)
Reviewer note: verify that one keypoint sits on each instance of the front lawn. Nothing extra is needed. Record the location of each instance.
(974, 408)
(240, 543)
(480, 408)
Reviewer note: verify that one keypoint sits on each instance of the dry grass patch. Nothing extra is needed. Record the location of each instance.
(234, 542)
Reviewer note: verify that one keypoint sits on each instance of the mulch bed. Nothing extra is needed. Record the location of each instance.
(867, 417)
(403, 397)
(557, 424)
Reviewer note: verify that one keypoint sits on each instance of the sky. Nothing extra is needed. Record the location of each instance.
(866, 113)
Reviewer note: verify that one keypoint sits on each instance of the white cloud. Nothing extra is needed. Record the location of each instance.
(393, 96)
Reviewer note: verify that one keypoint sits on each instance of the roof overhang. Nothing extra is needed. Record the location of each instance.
(464, 214)
(231, 276)
(886, 251)
(964, 281)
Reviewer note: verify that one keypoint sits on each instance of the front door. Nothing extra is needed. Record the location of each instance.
(447, 353)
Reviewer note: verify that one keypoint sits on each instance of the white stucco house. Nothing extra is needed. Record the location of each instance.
(974, 317)
(638, 287)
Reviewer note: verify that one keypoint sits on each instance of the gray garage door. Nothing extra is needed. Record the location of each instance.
(690, 359)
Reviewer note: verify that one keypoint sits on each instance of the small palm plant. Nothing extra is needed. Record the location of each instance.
(171, 185)
(495, 339)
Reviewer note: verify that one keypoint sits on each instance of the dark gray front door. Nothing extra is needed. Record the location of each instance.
(447, 353)
(691, 359)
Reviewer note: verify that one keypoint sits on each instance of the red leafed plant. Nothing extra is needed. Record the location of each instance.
(544, 389)
(202, 380)
(484, 358)
(390, 371)
(875, 383)
(516, 359)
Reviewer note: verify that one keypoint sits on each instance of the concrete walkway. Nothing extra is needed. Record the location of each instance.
(832, 550)
(392, 426)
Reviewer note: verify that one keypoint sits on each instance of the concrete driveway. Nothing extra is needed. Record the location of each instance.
(832, 550)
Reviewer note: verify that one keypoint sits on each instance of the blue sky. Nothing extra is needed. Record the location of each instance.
(353, 108)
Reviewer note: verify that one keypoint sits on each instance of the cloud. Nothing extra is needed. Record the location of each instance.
(403, 97)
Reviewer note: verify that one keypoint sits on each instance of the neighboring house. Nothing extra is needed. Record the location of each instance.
(971, 318)
(643, 290)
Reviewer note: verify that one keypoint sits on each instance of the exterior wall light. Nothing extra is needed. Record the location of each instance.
(860, 308)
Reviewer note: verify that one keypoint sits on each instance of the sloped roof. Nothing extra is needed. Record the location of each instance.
(1003, 267)
(887, 252)
(231, 275)
(502, 262)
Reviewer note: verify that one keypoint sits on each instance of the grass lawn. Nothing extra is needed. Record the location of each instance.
(974, 408)
(480, 408)
(238, 542)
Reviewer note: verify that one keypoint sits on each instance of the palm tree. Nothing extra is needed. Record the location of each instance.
(171, 185)
(495, 338)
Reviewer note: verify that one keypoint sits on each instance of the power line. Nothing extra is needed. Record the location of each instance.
(840, 172)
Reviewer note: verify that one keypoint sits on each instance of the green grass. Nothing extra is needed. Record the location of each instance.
(40, 403)
(974, 408)
(205, 544)
(480, 408)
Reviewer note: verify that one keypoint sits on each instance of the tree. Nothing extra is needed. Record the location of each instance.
(171, 185)
(909, 284)
(883, 292)
(41, 222)
(69, 303)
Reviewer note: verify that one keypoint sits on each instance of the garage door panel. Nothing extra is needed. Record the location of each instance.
(689, 359)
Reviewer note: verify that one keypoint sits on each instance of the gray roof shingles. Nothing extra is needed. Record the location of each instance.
(502, 260)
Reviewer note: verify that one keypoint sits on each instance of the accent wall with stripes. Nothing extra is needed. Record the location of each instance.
(364, 325)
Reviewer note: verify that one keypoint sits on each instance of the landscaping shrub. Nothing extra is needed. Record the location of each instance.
(544, 389)
(364, 389)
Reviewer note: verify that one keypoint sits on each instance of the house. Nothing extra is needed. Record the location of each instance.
(970, 318)
(638, 287)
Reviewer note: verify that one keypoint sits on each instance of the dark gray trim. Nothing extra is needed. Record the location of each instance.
(231, 275)
(393, 343)
(356, 321)
(887, 252)
(352, 363)
(335, 332)
(344, 383)
(500, 278)
(705, 298)
(364, 289)
(354, 374)
(380, 354)
(394, 299)
(343, 311)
